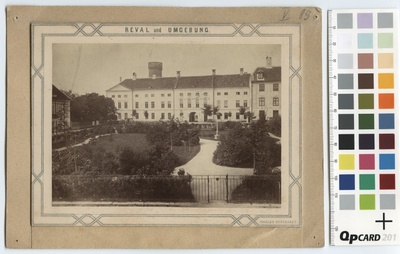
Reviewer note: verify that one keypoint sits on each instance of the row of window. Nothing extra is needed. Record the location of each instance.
(119, 96)
(275, 87)
(275, 101)
(146, 116)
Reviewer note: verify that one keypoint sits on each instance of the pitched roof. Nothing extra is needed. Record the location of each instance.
(270, 74)
(233, 80)
(58, 95)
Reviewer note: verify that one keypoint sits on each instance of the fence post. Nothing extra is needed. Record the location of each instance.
(227, 190)
(208, 188)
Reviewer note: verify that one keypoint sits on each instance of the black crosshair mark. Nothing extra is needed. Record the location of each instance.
(383, 221)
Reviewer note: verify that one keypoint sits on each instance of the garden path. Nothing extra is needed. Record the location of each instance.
(202, 163)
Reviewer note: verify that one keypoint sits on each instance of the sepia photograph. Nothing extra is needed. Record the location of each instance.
(189, 125)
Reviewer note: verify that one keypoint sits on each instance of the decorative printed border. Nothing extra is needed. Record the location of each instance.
(45, 215)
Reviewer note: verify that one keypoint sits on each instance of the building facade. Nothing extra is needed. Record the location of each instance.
(160, 98)
(61, 117)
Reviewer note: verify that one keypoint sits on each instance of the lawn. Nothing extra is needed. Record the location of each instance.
(138, 142)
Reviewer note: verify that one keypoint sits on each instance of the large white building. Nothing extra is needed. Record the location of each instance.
(160, 98)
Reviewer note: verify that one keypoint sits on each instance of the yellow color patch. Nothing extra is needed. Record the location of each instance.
(385, 80)
(346, 161)
(385, 60)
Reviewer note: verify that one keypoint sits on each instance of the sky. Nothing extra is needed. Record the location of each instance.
(86, 68)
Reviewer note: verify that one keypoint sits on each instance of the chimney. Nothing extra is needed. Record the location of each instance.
(213, 71)
(269, 62)
(178, 74)
(134, 76)
(120, 79)
(241, 71)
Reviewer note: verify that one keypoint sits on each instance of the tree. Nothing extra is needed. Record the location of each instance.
(134, 113)
(207, 111)
(250, 116)
(242, 110)
(230, 115)
(92, 107)
(146, 114)
(274, 125)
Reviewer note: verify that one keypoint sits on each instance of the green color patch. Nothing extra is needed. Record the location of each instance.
(366, 121)
(367, 182)
(385, 40)
(366, 101)
(367, 202)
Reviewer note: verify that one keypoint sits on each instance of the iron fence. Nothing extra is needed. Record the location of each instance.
(199, 188)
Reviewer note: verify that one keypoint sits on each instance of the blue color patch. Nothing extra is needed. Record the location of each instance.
(386, 161)
(386, 121)
(346, 182)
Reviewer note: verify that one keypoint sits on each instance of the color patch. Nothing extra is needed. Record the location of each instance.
(386, 101)
(364, 20)
(367, 202)
(366, 121)
(385, 20)
(346, 142)
(347, 202)
(367, 182)
(366, 161)
(346, 182)
(345, 81)
(385, 40)
(345, 61)
(387, 201)
(385, 80)
(346, 161)
(366, 101)
(366, 61)
(385, 60)
(346, 101)
(346, 122)
(365, 41)
(345, 41)
(366, 81)
(344, 20)
(366, 141)
(386, 121)
(386, 161)
(387, 182)
(386, 141)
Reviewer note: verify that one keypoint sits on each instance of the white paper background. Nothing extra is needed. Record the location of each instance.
(323, 4)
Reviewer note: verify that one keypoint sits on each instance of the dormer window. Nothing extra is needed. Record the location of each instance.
(260, 75)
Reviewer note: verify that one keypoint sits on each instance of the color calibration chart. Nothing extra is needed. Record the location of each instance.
(363, 121)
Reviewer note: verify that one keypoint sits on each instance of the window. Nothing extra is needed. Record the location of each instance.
(126, 115)
(275, 101)
(218, 116)
(205, 94)
(137, 116)
(146, 104)
(245, 93)
(125, 104)
(181, 103)
(162, 115)
(181, 94)
(275, 113)
(205, 100)
(169, 115)
(169, 104)
(197, 103)
(260, 75)
(226, 116)
(218, 103)
(136, 95)
(153, 116)
(237, 93)
(197, 94)
(137, 104)
(225, 103)
(218, 93)
(162, 104)
(162, 95)
(189, 103)
(237, 116)
(112, 96)
(119, 115)
(275, 87)
(119, 104)
(125, 96)
(146, 95)
(152, 95)
(119, 96)
(226, 93)
(261, 87)
(261, 101)
(261, 114)
(146, 115)
(245, 103)
(181, 114)
(169, 95)
(237, 103)
(152, 104)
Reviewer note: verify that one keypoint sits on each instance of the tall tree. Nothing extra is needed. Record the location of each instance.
(207, 111)
(92, 107)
